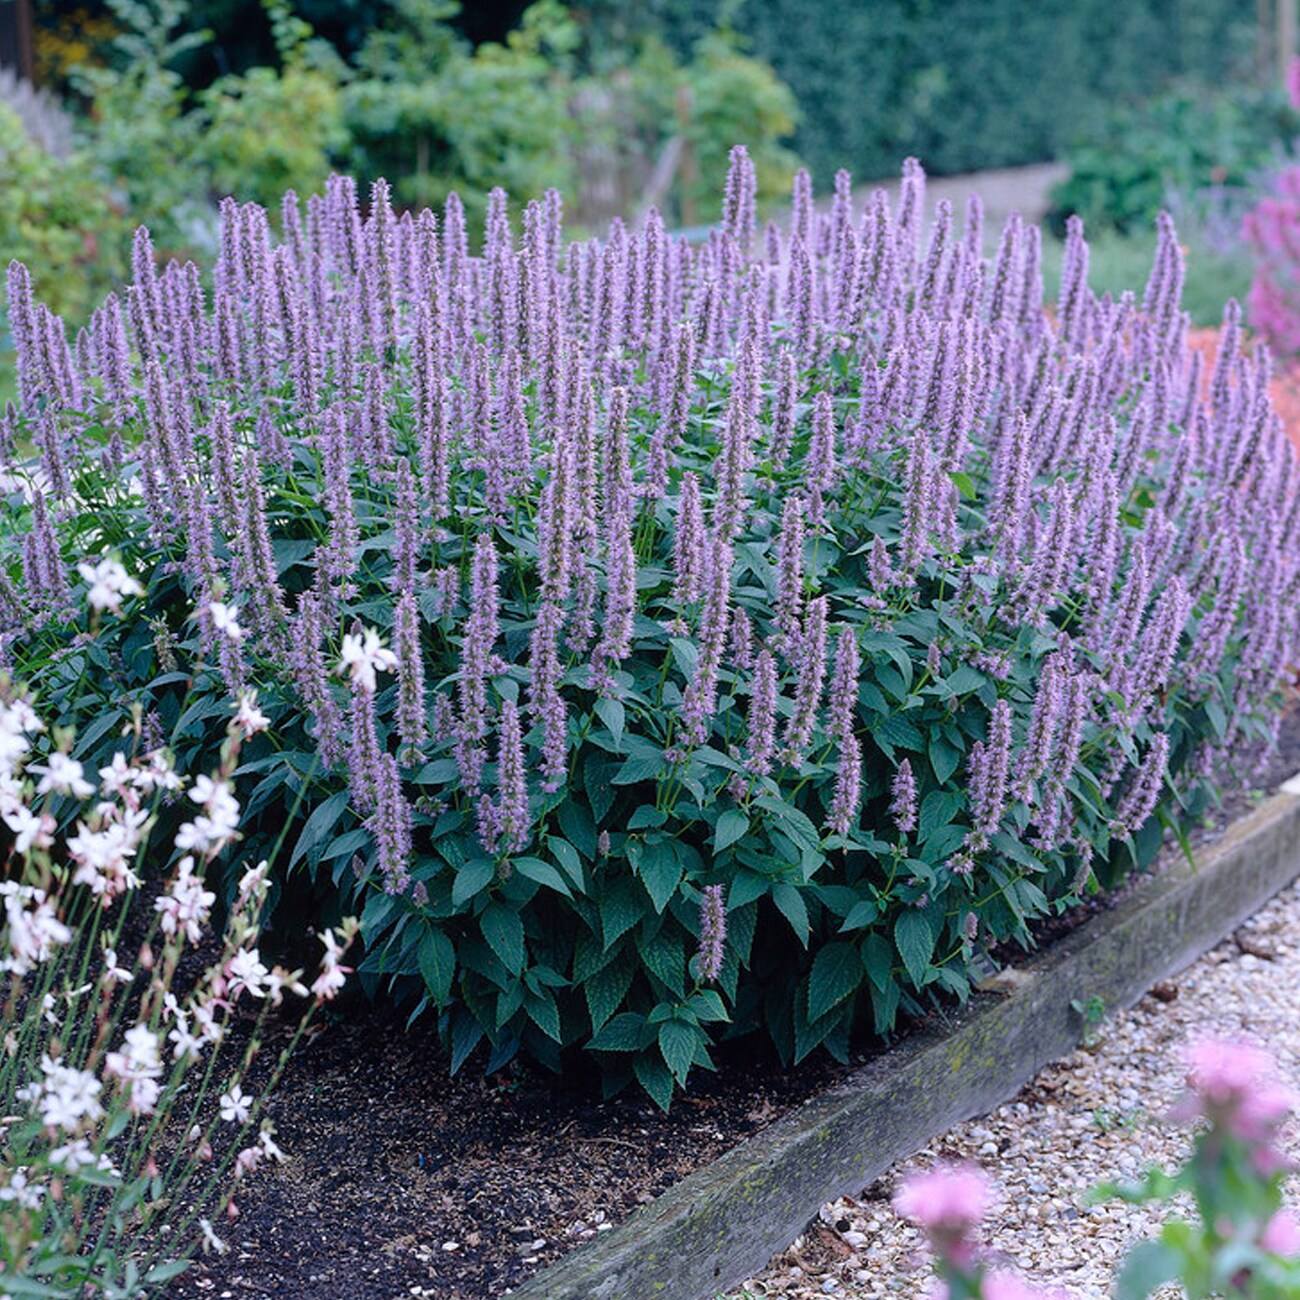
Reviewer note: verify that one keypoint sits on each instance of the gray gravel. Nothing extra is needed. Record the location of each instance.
(1094, 1116)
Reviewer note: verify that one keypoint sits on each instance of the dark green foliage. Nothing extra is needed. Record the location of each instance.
(1174, 148)
(962, 84)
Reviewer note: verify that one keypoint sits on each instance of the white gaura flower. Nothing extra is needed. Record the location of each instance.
(235, 1106)
(25, 1194)
(210, 1239)
(31, 830)
(245, 970)
(363, 656)
(62, 775)
(248, 717)
(186, 904)
(109, 582)
(113, 973)
(225, 620)
(266, 1140)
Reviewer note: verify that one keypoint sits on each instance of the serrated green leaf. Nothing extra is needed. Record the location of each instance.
(677, 1042)
(472, 877)
(646, 817)
(542, 872)
(504, 932)
(661, 871)
(606, 989)
(789, 901)
(655, 1077)
(544, 1013)
(620, 909)
(835, 975)
(862, 914)
(945, 757)
(437, 958)
(732, 826)
(614, 716)
(915, 942)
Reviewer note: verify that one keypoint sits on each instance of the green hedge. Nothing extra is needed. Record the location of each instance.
(962, 84)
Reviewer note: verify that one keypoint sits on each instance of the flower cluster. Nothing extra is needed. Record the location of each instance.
(92, 1043)
(832, 569)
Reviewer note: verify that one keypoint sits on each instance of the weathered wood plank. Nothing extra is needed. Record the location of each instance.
(725, 1221)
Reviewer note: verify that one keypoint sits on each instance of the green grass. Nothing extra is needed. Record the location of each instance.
(1118, 262)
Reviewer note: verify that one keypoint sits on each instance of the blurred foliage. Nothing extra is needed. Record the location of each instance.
(962, 84)
(1182, 144)
(432, 114)
(141, 136)
(737, 100)
(56, 217)
(1117, 262)
(423, 107)
(67, 41)
(301, 98)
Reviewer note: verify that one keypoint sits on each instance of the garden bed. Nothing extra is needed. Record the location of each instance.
(401, 1180)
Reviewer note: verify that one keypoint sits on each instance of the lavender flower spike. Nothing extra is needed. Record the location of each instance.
(713, 933)
(902, 806)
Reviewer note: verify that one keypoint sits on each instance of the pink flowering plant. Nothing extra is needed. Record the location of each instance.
(950, 1202)
(1244, 1243)
(659, 640)
(124, 1124)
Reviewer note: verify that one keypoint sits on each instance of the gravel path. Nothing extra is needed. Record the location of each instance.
(1095, 1115)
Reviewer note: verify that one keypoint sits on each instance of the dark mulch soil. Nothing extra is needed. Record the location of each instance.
(400, 1181)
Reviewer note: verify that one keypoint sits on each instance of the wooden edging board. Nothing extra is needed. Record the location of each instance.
(723, 1223)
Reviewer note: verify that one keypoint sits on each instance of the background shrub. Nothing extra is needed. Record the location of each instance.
(739, 634)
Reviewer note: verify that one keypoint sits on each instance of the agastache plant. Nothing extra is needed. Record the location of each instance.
(592, 527)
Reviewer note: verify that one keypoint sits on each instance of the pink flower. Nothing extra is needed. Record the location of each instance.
(1222, 1070)
(1281, 1235)
(949, 1196)
(1007, 1286)
(1235, 1086)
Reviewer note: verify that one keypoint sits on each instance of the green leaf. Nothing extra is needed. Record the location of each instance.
(945, 758)
(915, 942)
(325, 816)
(620, 909)
(862, 914)
(665, 958)
(625, 1033)
(597, 776)
(661, 871)
(567, 856)
(544, 1013)
(1148, 1265)
(677, 1041)
(836, 974)
(606, 989)
(965, 680)
(437, 958)
(167, 1270)
(543, 873)
(655, 1077)
(504, 932)
(441, 771)
(475, 875)
(790, 902)
(579, 829)
(746, 886)
(614, 716)
(645, 817)
(937, 809)
(643, 765)
(732, 825)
